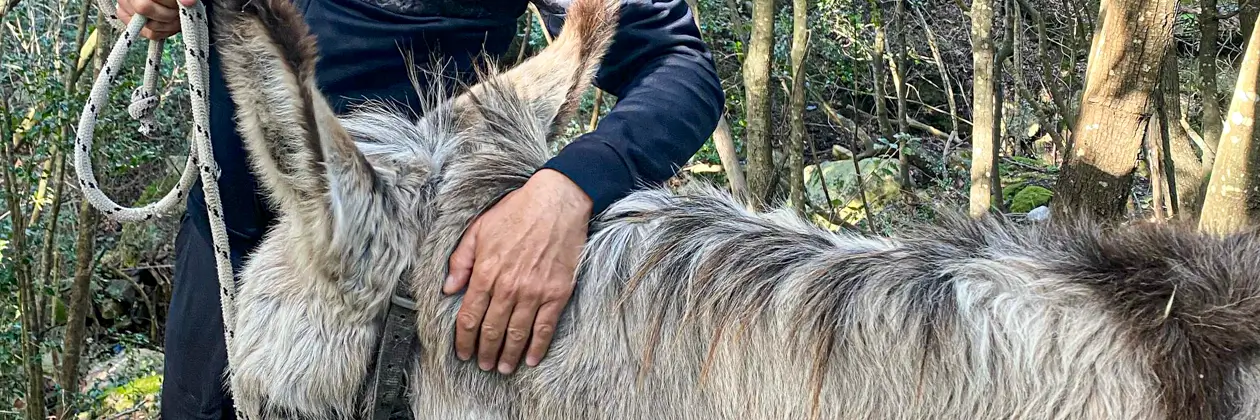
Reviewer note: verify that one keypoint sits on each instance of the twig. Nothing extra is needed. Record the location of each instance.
(148, 303)
(1025, 165)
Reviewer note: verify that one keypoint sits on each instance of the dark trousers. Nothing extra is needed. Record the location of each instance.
(362, 46)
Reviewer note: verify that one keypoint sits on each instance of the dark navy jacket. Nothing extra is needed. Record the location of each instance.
(669, 96)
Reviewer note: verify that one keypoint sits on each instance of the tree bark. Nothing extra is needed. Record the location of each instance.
(796, 149)
(31, 324)
(20, 266)
(1153, 145)
(877, 73)
(940, 67)
(757, 97)
(1209, 26)
(899, 76)
(1232, 200)
(1185, 172)
(1119, 81)
(73, 72)
(723, 140)
(984, 128)
(84, 250)
(1249, 11)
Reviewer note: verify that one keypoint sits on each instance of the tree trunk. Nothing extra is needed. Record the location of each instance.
(1185, 174)
(1209, 26)
(940, 67)
(1249, 11)
(1116, 103)
(1153, 146)
(899, 76)
(757, 96)
(877, 71)
(20, 266)
(73, 72)
(1232, 200)
(984, 128)
(29, 319)
(796, 149)
(80, 296)
(723, 140)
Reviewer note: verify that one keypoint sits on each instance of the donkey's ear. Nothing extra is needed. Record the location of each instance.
(551, 83)
(297, 145)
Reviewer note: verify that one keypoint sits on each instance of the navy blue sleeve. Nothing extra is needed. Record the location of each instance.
(669, 99)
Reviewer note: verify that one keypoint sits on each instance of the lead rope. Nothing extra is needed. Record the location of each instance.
(195, 32)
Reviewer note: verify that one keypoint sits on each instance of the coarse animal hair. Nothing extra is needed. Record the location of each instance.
(688, 306)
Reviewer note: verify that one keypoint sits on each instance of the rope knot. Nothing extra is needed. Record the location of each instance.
(143, 104)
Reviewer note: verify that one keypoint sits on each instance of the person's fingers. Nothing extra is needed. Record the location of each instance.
(518, 331)
(156, 12)
(471, 311)
(494, 325)
(544, 330)
(188, 3)
(460, 266)
(124, 12)
(162, 27)
(170, 4)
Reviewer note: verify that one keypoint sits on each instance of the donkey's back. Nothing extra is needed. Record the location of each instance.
(690, 307)
(686, 305)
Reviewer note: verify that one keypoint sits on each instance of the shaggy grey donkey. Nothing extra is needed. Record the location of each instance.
(687, 306)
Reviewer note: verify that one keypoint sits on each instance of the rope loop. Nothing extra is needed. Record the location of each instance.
(144, 102)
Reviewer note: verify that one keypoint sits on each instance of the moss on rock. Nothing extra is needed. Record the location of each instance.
(1029, 198)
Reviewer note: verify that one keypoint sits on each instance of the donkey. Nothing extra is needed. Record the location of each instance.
(687, 306)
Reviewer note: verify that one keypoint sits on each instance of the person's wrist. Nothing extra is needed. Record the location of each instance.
(568, 191)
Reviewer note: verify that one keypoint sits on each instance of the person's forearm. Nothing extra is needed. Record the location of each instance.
(669, 103)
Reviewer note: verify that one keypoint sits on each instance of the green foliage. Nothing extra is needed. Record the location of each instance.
(1030, 198)
(131, 394)
(33, 79)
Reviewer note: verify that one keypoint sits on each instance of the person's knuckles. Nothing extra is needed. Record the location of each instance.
(491, 333)
(518, 335)
(544, 331)
(145, 8)
(466, 321)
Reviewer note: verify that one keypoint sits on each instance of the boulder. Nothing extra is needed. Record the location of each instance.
(880, 176)
(130, 382)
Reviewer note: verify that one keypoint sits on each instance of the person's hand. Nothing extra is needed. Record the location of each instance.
(518, 260)
(163, 16)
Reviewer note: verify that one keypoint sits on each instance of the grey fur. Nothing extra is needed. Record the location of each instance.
(688, 306)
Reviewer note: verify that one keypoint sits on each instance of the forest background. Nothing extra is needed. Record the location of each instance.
(863, 115)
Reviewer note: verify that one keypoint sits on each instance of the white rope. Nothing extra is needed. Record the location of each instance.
(195, 32)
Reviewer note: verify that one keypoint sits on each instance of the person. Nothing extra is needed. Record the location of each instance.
(516, 262)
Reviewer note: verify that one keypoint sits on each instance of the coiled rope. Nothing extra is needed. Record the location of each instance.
(195, 32)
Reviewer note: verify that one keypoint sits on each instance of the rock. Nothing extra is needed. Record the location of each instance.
(840, 153)
(127, 364)
(131, 380)
(1039, 214)
(881, 184)
(1029, 198)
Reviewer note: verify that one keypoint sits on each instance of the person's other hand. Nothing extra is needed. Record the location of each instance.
(518, 260)
(163, 16)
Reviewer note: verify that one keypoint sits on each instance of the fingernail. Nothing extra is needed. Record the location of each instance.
(450, 280)
(486, 366)
(531, 361)
(462, 356)
(505, 368)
